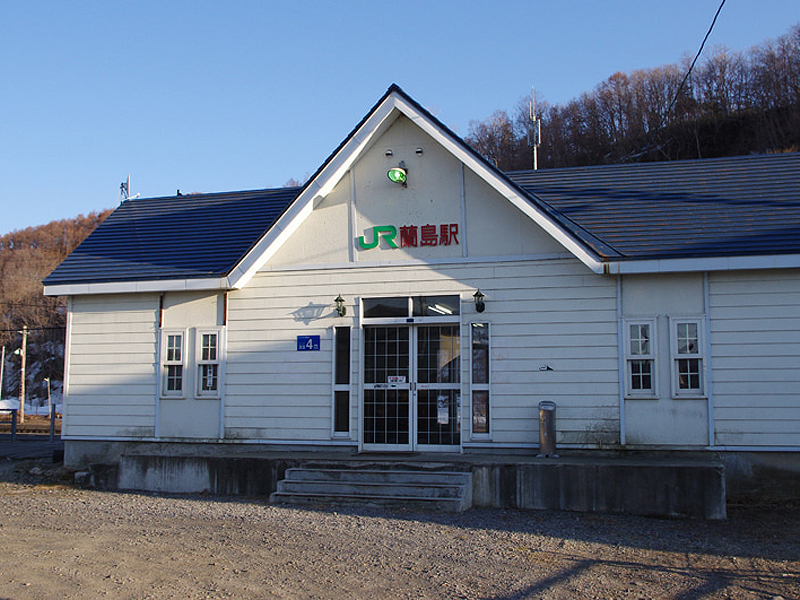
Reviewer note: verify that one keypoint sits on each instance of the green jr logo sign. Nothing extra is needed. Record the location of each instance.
(388, 232)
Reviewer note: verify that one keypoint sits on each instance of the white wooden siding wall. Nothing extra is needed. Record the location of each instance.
(274, 392)
(112, 366)
(545, 312)
(755, 347)
(553, 314)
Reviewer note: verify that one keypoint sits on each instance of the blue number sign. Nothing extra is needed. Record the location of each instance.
(307, 343)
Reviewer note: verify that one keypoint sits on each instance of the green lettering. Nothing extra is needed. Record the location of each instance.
(388, 232)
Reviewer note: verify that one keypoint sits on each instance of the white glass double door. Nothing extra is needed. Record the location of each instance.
(411, 388)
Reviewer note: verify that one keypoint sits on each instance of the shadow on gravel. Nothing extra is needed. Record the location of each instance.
(708, 583)
(770, 531)
(549, 582)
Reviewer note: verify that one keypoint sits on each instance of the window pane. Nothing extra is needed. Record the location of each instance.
(437, 417)
(209, 346)
(438, 354)
(640, 338)
(386, 417)
(435, 306)
(687, 338)
(174, 347)
(689, 373)
(385, 353)
(480, 353)
(174, 378)
(208, 378)
(641, 375)
(480, 412)
(342, 355)
(341, 416)
(385, 307)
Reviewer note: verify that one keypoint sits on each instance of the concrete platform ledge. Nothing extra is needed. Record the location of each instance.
(677, 489)
(658, 486)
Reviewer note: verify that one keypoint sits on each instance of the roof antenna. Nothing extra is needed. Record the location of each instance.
(534, 131)
(125, 191)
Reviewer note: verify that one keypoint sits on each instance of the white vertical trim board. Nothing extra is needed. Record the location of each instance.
(67, 356)
(709, 370)
(464, 236)
(351, 219)
(622, 370)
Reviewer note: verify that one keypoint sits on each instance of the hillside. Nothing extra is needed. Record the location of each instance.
(26, 257)
(727, 104)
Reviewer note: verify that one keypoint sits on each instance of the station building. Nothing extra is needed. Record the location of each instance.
(410, 297)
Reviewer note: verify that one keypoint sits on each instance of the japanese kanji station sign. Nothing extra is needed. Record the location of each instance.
(411, 235)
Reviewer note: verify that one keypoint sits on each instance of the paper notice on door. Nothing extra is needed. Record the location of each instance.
(443, 410)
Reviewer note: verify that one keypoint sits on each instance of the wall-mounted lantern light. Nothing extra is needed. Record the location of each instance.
(398, 174)
(341, 309)
(479, 304)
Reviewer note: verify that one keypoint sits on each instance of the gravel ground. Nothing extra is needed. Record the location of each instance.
(58, 541)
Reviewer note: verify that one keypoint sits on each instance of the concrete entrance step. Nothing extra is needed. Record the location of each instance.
(445, 491)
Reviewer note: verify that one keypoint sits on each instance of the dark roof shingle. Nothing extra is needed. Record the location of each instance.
(178, 237)
(745, 205)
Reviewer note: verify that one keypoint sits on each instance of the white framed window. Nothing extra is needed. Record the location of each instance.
(173, 361)
(640, 358)
(341, 382)
(416, 309)
(208, 356)
(686, 343)
(479, 380)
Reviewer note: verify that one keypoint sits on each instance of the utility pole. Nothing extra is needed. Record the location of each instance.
(2, 370)
(535, 131)
(22, 355)
(49, 402)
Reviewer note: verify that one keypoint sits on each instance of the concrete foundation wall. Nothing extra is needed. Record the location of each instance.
(755, 476)
(688, 486)
(695, 490)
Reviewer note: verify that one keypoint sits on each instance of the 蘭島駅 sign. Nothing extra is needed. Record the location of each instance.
(410, 236)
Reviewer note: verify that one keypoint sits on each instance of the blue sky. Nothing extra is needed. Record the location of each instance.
(211, 96)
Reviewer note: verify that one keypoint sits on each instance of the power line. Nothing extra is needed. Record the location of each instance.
(652, 133)
(17, 329)
(696, 56)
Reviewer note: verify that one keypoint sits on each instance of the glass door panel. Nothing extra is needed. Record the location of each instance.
(438, 377)
(386, 417)
(387, 387)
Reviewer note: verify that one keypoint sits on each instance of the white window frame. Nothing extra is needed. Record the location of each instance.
(699, 355)
(630, 358)
(165, 363)
(201, 362)
(480, 387)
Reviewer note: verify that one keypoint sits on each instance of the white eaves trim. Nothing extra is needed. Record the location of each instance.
(127, 287)
(678, 265)
(720, 263)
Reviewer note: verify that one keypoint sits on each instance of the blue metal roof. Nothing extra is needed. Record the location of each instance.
(178, 237)
(738, 206)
